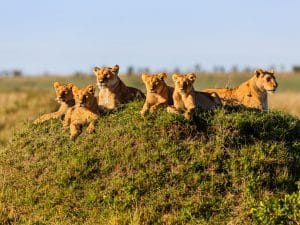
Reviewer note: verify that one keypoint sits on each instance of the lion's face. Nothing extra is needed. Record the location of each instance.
(266, 80)
(154, 83)
(84, 96)
(184, 83)
(63, 92)
(106, 76)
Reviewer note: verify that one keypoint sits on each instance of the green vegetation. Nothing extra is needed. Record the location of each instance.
(273, 211)
(229, 166)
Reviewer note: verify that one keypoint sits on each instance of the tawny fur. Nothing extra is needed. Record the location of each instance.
(112, 91)
(64, 96)
(252, 94)
(186, 99)
(85, 112)
(159, 94)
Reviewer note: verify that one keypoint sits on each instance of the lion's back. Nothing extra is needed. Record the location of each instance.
(207, 101)
(131, 94)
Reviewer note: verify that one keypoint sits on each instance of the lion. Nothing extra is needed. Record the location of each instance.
(252, 94)
(84, 112)
(112, 91)
(158, 92)
(186, 99)
(64, 96)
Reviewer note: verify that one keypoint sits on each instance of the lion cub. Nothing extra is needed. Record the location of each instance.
(64, 96)
(85, 111)
(158, 92)
(253, 93)
(112, 91)
(186, 99)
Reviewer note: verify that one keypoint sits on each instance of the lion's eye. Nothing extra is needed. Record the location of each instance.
(268, 79)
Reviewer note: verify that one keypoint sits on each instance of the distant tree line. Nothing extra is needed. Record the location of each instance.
(296, 69)
(11, 73)
(131, 70)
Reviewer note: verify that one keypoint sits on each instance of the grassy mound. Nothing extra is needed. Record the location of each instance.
(154, 170)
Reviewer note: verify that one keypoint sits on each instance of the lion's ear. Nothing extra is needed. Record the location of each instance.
(70, 86)
(191, 76)
(115, 69)
(95, 70)
(271, 71)
(74, 89)
(56, 85)
(175, 76)
(162, 76)
(258, 72)
(144, 77)
(90, 89)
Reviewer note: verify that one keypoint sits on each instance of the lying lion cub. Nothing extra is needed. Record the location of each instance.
(158, 92)
(64, 96)
(112, 91)
(186, 99)
(252, 93)
(85, 111)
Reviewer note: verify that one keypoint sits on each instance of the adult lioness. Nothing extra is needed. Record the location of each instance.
(64, 96)
(186, 99)
(253, 93)
(158, 92)
(112, 91)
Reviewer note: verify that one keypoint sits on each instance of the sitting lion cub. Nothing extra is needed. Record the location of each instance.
(112, 91)
(186, 99)
(253, 93)
(85, 111)
(158, 92)
(64, 96)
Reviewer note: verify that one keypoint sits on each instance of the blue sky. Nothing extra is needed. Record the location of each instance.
(63, 36)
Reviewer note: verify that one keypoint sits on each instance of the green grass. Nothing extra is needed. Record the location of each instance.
(154, 170)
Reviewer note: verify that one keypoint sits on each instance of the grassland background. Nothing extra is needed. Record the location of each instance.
(25, 98)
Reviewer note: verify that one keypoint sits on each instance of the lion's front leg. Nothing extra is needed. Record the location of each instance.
(189, 113)
(75, 130)
(92, 122)
(190, 106)
(157, 105)
(91, 128)
(67, 120)
(145, 109)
